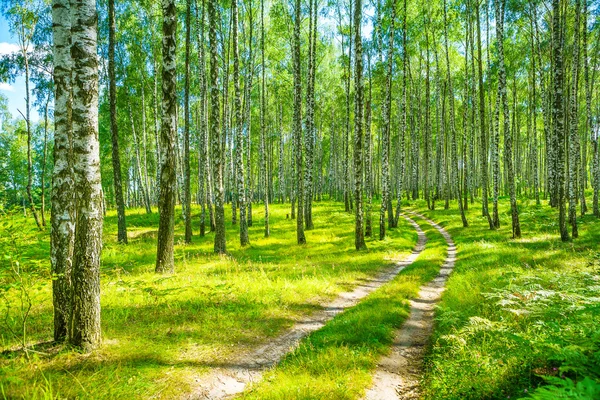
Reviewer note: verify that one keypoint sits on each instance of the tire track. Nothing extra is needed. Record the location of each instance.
(233, 375)
(398, 374)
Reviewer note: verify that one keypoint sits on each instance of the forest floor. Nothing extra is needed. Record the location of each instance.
(245, 368)
(399, 373)
(160, 332)
(516, 314)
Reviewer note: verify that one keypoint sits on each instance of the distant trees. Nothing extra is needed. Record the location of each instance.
(415, 136)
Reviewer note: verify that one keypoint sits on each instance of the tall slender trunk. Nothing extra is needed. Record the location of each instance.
(263, 105)
(187, 193)
(310, 115)
(359, 237)
(535, 152)
(238, 130)
(167, 191)
(589, 123)
(454, 152)
(482, 126)
(298, 124)
(508, 142)
(404, 117)
(215, 134)
(138, 162)
(44, 162)
(385, 142)
(368, 156)
(558, 122)
(574, 149)
(29, 137)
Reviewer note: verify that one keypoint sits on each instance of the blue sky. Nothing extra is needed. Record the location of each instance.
(14, 91)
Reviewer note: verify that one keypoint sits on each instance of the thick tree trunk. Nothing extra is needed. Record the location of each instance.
(62, 217)
(85, 319)
(167, 191)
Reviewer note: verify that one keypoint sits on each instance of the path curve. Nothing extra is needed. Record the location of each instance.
(398, 374)
(233, 375)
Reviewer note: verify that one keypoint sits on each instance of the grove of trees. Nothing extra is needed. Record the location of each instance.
(234, 104)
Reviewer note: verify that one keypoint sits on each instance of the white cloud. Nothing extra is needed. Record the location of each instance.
(8, 48)
(6, 87)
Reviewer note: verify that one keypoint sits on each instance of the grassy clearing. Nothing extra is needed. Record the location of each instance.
(336, 361)
(517, 310)
(161, 331)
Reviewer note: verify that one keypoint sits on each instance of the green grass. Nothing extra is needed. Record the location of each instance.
(336, 361)
(161, 331)
(517, 310)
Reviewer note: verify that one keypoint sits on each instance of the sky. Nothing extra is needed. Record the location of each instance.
(14, 91)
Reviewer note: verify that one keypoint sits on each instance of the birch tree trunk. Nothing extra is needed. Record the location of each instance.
(62, 217)
(385, 142)
(359, 237)
(263, 106)
(589, 127)
(114, 129)
(574, 150)
(167, 191)
(298, 124)
(85, 319)
(310, 115)
(238, 130)
(483, 151)
(187, 193)
(558, 122)
(508, 142)
(215, 137)
(454, 155)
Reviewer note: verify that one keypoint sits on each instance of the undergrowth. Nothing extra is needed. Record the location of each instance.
(519, 317)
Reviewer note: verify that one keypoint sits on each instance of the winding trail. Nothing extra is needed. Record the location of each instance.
(397, 375)
(234, 374)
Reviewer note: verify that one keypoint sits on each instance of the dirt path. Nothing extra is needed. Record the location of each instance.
(397, 375)
(233, 374)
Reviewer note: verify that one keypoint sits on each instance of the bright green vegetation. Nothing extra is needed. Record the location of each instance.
(161, 331)
(517, 313)
(336, 361)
